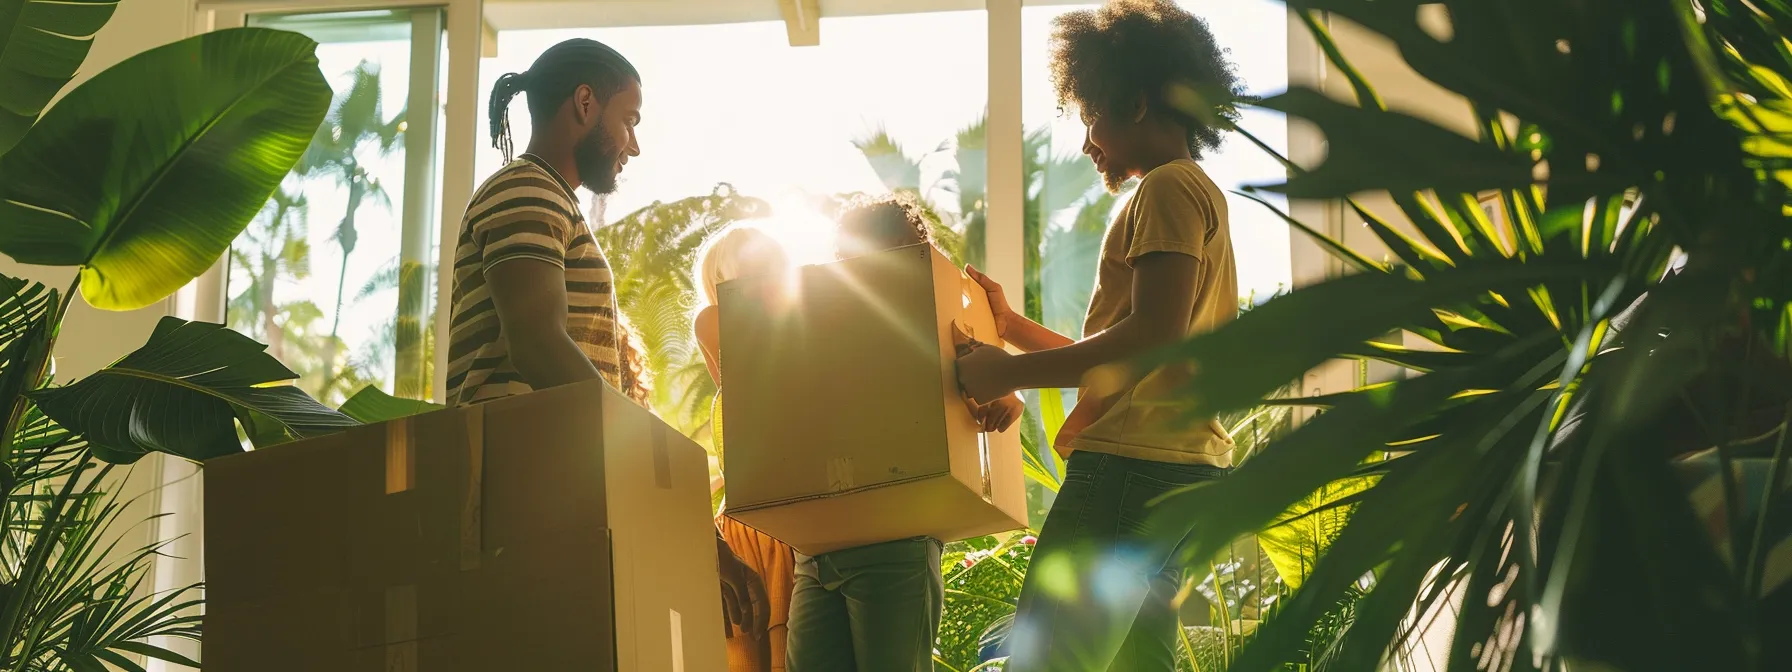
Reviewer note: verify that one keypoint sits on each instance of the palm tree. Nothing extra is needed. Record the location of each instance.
(273, 248)
(407, 335)
(356, 124)
(651, 252)
(1055, 185)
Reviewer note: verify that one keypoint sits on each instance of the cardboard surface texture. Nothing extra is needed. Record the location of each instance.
(845, 425)
(567, 529)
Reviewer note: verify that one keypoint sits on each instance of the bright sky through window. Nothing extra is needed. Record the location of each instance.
(733, 103)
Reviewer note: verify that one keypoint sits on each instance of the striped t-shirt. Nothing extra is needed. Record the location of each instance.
(525, 211)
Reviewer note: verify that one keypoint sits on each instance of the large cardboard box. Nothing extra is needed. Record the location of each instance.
(844, 421)
(566, 529)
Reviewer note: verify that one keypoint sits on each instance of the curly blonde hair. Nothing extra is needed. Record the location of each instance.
(743, 250)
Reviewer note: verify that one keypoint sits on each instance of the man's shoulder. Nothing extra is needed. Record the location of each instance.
(522, 187)
(522, 178)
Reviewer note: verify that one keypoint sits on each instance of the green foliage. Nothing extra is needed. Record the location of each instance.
(983, 579)
(42, 44)
(179, 393)
(355, 130)
(73, 597)
(654, 253)
(142, 175)
(70, 597)
(372, 405)
(1565, 366)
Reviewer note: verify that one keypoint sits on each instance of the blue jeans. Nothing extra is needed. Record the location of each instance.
(873, 608)
(1098, 595)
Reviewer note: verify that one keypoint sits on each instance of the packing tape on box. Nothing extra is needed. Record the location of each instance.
(400, 628)
(989, 492)
(662, 459)
(840, 477)
(401, 461)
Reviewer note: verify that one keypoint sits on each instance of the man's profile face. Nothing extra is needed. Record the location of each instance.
(604, 149)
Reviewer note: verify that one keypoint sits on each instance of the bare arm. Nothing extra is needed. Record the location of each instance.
(1030, 336)
(709, 340)
(530, 296)
(1163, 295)
(1014, 328)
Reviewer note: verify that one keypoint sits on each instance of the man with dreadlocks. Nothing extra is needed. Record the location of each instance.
(1155, 93)
(533, 307)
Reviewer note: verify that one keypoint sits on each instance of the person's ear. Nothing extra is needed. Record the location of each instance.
(585, 105)
(1139, 108)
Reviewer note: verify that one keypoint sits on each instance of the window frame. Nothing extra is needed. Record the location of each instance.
(465, 33)
(471, 28)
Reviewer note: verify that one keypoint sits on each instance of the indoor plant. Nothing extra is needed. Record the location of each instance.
(140, 177)
(1536, 477)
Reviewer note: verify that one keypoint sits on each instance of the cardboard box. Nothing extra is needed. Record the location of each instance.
(845, 424)
(566, 529)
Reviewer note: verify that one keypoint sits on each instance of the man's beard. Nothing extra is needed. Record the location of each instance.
(596, 156)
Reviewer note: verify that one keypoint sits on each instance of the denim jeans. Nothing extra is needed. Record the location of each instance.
(873, 608)
(1098, 594)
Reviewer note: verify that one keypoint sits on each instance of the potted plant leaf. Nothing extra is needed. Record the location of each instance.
(1539, 480)
(140, 178)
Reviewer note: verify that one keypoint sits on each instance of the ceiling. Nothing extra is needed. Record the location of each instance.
(532, 14)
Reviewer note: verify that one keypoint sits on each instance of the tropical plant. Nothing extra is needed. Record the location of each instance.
(42, 44)
(273, 248)
(1065, 212)
(357, 125)
(653, 251)
(407, 336)
(140, 178)
(1534, 479)
(273, 251)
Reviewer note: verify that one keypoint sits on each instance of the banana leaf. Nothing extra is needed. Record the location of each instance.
(143, 174)
(181, 393)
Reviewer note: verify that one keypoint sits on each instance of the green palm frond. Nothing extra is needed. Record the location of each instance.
(653, 252)
(893, 166)
(1609, 136)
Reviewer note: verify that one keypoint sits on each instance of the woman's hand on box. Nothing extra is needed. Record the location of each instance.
(982, 373)
(1015, 329)
(999, 415)
(998, 301)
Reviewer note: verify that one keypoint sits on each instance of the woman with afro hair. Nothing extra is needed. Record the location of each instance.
(1155, 93)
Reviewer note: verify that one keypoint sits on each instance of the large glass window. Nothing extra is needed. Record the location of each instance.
(736, 121)
(335, 273)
